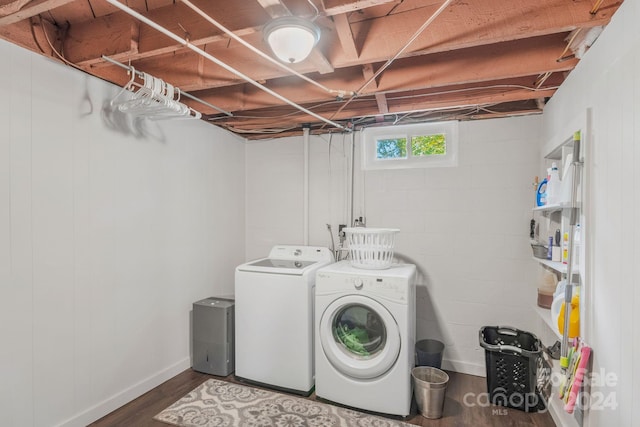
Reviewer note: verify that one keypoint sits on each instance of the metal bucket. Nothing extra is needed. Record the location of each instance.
(430, 385)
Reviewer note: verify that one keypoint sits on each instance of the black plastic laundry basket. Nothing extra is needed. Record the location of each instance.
(511, 357)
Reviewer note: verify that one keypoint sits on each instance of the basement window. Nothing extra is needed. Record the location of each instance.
(419, 145)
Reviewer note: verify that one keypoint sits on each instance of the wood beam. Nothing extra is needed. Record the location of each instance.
(343, 29)
(370, 109)
(29, 34)
(466, 99)
(381, 100)
(467, 24)
(119, 39)
(275, 8)
(250, 99)
(13, 7)
(82, 39)
(337, 7)
(319, 61)
(20, 34)
(83, 45)
(506, 60)
(501, 61)
(33, 8)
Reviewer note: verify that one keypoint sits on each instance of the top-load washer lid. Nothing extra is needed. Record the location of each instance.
(289, 259)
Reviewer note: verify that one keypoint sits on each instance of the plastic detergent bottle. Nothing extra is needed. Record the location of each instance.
(565, 248)
(553, 185)
(574, 317)
(577, 243)
(541, 194)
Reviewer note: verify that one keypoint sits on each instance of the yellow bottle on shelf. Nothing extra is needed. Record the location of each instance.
(574, 318)
(565, 248)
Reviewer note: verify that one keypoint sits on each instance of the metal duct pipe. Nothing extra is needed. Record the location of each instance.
(216, 61)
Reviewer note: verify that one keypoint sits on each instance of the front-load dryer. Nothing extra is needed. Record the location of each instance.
(274, 300)
(365, 336)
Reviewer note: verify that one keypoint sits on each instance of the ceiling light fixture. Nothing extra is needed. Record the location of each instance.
(291, 38)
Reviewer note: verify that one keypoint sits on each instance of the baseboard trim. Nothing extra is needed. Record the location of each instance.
(125, 396)
(464, 367)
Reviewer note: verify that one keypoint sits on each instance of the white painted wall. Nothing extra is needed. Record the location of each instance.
(607, 80)
(275, 191)
(466, 227)
(108, 233)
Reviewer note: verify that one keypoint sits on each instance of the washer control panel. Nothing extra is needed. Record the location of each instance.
(306, 253)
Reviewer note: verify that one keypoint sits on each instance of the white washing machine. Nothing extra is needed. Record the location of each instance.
(274, 301)
(365, 337)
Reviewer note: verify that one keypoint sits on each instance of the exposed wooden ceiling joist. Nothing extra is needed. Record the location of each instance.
(343, 30)
(489, 63)
(368, 107)
(485, 53)
(381, 100)
(275, 8)
(83, 45)
(19, 10)
(336, 7)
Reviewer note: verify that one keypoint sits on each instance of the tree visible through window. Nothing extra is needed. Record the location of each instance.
(429, 145)
(395, 148)
(416, 145)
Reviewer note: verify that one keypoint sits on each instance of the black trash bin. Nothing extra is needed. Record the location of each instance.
(429, 353)
(511, 357)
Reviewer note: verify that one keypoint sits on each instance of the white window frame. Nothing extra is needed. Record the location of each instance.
(370, 136)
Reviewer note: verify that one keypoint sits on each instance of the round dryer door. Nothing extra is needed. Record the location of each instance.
(359, 337)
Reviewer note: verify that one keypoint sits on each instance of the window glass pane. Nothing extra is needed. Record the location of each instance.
(429, 145)
(416, 145)
(394, 148)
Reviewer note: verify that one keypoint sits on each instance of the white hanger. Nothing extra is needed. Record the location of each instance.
(153, 99)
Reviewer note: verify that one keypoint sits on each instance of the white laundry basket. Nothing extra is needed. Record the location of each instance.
(371, 248)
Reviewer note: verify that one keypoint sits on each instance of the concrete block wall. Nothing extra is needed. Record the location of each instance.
(465, 227)
(109, 230)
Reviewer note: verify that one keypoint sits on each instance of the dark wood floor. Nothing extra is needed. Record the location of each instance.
(457, 412)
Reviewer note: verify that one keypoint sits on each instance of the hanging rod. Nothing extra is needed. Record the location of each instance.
(141, 75)
(218, 62)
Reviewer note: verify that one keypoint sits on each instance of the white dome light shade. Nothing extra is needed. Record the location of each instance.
(291, 38)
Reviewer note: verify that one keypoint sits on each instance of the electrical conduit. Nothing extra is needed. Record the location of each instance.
(305, 191)
(230, 33)
(216, 61)
(351, 179)
(396, 56)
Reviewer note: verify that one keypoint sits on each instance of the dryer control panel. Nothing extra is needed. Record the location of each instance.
(397, 289)
(392, 288)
